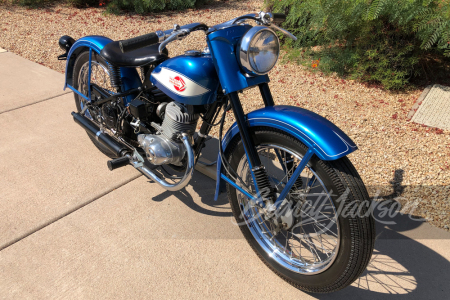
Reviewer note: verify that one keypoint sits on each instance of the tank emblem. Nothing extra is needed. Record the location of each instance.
(179, 83)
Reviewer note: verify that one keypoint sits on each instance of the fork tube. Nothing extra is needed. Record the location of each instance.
(243, 129)
(266, 94)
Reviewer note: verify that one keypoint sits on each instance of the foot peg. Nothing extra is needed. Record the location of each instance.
(118, 162)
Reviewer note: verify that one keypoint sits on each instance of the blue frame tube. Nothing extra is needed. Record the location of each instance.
(294, 177)
(78, 92)
(280, 160)
(232, 183)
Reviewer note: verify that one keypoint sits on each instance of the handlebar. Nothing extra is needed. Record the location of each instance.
(177, 33)
(160, 37)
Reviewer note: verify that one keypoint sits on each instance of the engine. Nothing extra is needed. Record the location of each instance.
(110, 113)
(165, 147)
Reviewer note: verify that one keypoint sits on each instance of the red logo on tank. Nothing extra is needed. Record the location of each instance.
(178, 83)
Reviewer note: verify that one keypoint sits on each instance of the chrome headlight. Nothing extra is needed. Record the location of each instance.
(259, 50)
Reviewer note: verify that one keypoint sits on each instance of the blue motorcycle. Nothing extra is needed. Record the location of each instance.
(295, 195)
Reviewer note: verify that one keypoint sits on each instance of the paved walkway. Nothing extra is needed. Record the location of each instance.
(433, 107)
(72, 229)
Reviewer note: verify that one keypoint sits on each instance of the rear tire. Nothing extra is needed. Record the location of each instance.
(356, 236)
(81, 62)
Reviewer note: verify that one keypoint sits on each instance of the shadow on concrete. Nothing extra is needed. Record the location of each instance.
(205, 188)
(401, 268)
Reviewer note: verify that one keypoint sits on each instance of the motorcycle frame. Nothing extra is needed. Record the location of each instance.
(313, 130)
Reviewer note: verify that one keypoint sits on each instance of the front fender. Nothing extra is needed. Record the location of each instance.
(326, 140)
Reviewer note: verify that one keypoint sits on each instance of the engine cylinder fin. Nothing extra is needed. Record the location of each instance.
(178, 120)
(179, 114)
(171, 128)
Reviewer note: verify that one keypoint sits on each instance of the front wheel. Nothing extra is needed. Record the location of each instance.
(324, 236)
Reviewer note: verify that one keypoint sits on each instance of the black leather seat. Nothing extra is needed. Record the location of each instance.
(137, 58)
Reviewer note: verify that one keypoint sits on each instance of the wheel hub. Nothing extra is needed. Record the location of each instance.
(281, 218)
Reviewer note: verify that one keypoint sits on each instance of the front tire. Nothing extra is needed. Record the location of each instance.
(303, 251)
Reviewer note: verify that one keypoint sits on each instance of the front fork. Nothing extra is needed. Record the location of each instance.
(257, 169)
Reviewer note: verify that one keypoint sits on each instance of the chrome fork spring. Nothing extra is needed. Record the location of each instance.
(262, 181)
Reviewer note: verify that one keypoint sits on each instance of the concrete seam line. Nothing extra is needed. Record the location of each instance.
(1, 112)
(23, 236)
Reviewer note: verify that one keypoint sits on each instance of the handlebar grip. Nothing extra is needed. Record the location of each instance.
(138, 42)
(279, 18)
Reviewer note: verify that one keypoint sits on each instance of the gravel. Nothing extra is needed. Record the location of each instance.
(395, 157)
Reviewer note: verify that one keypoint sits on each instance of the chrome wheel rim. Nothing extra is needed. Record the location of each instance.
(311, 243)
(99, 75)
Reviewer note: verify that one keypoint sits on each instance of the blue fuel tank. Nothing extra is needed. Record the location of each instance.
(187, 79)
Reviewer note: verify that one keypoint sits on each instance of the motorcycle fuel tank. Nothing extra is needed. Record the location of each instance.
(187, 79)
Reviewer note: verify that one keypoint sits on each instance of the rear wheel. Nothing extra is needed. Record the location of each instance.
(100, 76)
(319, 245)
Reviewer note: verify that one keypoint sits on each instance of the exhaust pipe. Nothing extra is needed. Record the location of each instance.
(116, 147)
(170, 186)
(125, 157)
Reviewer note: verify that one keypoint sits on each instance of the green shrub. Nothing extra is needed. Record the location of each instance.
(40, 3)
(116, 6)
(382, 41)
(83, 3)
(143, 6)
(32, 3)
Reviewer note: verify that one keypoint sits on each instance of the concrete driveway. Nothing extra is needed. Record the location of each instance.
(72, 229)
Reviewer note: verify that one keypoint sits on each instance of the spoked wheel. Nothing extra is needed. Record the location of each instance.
(100, 76)
(315, 244)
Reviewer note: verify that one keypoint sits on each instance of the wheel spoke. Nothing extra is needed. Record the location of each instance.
(308, 244)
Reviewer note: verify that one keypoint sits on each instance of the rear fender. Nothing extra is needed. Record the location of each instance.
(325, 139)
(130, 76)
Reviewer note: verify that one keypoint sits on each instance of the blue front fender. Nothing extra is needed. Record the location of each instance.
(130, 77)
(325, 139)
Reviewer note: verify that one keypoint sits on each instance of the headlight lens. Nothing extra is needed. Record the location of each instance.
(259, 50)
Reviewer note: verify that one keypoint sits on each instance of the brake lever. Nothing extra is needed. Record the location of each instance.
(284, 31)
(177, 34)
(266, 19)
(171, 38)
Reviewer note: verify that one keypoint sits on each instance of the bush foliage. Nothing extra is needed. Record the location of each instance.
(143, 6)
(40, 3)
(116, 6)
(382, 41)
